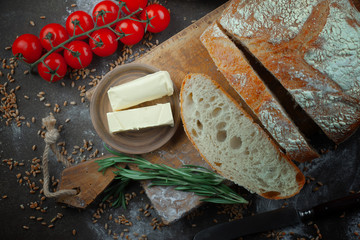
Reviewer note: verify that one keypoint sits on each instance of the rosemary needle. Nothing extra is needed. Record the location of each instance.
(189, 178)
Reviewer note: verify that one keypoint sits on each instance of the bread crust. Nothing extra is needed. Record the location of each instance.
(303, 43)
(253, 91)
(300, 179)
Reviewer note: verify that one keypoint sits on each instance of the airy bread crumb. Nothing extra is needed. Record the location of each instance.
(233, 145)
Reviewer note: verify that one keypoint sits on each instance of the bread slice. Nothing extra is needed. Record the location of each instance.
(233, 145)
(312, 48)
(241, 76)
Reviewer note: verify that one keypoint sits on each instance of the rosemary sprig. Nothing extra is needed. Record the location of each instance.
(117, 191)
(189, 178)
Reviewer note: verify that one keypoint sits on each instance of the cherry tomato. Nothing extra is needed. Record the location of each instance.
(105, 12)
(81, 22)
(56, 33)
(160, 15)
(78, 54)
(133, 5)
(134, 28)
(55, 68)
(29, 46)
(106, 42)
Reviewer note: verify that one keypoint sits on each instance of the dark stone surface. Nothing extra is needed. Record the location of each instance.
(338, 170)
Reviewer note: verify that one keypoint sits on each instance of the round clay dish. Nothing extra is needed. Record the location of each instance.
(136, 141)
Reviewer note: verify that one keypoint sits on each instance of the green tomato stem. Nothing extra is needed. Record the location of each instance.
(87, 33)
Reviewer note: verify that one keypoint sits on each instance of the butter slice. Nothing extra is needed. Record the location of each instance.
(138, 118)
(147, 88)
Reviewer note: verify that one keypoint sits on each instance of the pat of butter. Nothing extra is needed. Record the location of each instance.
(147, 88)
(137, 118)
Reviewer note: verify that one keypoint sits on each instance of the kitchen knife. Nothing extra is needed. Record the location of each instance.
(276, 219)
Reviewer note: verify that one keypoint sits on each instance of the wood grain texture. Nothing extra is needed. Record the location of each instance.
(181, 54)
(87, 180)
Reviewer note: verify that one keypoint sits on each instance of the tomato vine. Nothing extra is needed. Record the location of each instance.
(97, 42)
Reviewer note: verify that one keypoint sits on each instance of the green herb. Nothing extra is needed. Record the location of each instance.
(117, 191)
(189, 178)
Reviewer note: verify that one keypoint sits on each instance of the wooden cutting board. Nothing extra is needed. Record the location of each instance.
(181, 54)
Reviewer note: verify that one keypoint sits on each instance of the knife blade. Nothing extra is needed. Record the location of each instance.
(276, 219)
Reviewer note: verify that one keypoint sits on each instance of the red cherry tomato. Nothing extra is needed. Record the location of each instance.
(81, 22)
(133, 5)
(134, 28)
(105, 12)
(55, 68)
(160, 17)
(29, 46)
(106, 43)
(78, 54)
(56, 33)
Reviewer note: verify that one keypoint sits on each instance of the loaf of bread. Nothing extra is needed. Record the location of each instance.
(241, 76)
(233, 145)
(312, 48)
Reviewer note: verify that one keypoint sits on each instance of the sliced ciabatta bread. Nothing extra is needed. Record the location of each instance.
(234, 146)
(312, 48)
(241, 76)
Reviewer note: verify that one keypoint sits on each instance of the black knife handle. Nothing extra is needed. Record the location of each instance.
(331, 207)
